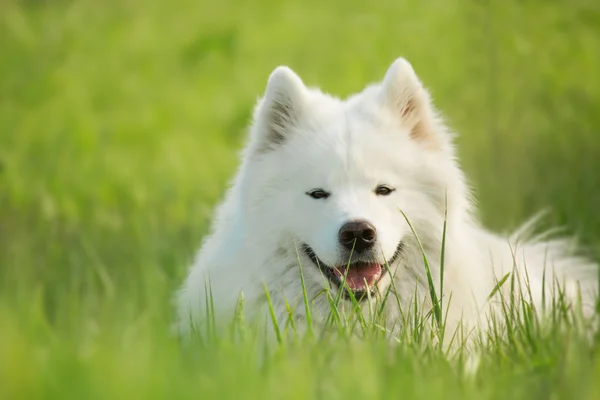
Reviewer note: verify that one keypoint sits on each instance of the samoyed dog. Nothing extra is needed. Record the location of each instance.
(352, 196)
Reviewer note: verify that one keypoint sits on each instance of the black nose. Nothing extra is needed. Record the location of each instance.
(357, 236)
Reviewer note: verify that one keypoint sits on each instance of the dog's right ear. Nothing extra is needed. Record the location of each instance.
(279, 110)
(410, 102)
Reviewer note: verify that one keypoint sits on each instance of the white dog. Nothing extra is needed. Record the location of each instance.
(360, 189)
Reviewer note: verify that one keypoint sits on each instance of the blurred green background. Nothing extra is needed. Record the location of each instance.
(121, 121)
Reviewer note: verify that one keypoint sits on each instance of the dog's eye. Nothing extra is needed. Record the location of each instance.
(318, 194)
(383, 190)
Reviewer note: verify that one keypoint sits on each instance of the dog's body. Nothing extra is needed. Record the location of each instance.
(332, 185)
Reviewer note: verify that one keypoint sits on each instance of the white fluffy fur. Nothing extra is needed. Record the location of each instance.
(303, 139)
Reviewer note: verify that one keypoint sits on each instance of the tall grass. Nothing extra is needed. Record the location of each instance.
(512, 327)
(516, 333)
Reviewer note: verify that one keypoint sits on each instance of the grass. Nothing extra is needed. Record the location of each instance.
(120, 124)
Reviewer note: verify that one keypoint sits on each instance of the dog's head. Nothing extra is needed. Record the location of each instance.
(337, 178)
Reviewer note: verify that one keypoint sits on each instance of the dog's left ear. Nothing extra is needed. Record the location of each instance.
(409, 100)
(278, 113)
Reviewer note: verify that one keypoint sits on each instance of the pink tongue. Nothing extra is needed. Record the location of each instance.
(358, 274)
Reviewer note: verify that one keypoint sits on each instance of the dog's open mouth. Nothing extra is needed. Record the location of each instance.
(359, 277)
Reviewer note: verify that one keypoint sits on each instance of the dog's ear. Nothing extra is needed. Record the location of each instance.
(279, 110)
(409, 100)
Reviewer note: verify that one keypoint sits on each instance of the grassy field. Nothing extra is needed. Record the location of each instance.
(120, 123)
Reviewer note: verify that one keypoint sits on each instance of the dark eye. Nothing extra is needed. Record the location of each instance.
(383, 190)
(318, 194)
